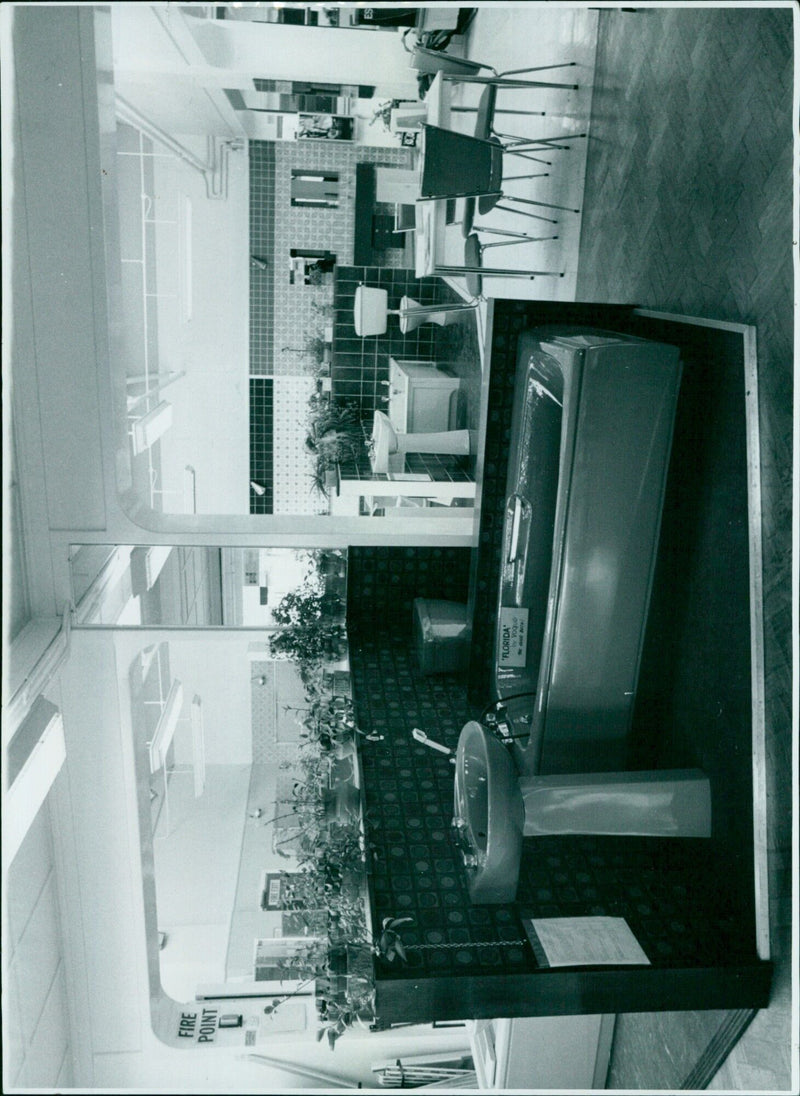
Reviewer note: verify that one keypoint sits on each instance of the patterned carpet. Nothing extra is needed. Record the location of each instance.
(688, 209)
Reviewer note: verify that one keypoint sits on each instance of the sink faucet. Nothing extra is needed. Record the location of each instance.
(420, 736)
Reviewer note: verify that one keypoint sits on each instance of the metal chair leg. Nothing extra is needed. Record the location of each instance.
(513, 178)
(545, 205)
(496, 272)
(511, 243)
(526, 213)
(539, 68)
(498, 110)
(502, 83)
(538, 144)
(526, 156)
(507, 232)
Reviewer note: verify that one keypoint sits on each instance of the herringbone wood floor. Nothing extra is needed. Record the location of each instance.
(688, 208)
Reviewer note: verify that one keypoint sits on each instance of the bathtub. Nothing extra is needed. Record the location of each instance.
(589, 453)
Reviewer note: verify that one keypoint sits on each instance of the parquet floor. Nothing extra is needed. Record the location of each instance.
(688, 208)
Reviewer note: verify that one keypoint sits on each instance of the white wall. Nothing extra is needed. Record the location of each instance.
(196, 866)
(36, 1037)
(156, 62)
(344, 56)
(202, 277)
(218, 671)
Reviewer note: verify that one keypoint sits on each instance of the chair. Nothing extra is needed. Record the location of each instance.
(485, 130)
(513, 143)
(474, 271)
(431, 62)
(456, 165)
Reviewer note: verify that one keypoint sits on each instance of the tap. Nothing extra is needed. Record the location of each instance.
(420, 736)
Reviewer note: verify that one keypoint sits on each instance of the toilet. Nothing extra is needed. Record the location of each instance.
(371, 312)
(414, 315)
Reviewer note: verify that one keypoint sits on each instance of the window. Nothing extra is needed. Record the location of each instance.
(309, 189)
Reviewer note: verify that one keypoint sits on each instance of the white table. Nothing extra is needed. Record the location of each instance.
(431, 215)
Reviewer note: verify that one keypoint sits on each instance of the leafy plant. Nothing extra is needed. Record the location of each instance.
(329, 722)
(312, 626)
(383, 113)
(334, 434)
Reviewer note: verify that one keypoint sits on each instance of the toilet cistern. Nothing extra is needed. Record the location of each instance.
(495, 808)
(386, 441)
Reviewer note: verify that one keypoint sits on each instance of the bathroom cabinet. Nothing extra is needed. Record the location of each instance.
(422, 398)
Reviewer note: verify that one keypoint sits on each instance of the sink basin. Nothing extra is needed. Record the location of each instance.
(489, 815)
(384, 442)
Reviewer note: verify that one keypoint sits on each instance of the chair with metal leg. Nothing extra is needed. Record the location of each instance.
(431, 62)
(485, 130)
(456, 165)
(474, 271)
(513, 143)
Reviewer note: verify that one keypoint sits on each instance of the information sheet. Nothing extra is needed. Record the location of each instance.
(584, 941)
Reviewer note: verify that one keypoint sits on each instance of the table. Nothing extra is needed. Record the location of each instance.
(431, 216)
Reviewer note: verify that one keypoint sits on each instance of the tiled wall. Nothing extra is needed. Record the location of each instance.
(293, 492)
(261, 435)
(282, 315)
(262, 230)
(676, 894)
(672, 892)
(382, 582)
(320, 229)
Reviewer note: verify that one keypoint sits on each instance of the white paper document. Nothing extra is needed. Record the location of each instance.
(586, 941)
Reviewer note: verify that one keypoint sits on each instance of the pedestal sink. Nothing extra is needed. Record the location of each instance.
(386, 441)
(489, 815)
(495, 807)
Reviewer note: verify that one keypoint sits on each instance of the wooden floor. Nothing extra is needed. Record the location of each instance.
(688, 209)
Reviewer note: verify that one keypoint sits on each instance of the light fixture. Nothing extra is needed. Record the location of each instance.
(259, 488)
(260, 680)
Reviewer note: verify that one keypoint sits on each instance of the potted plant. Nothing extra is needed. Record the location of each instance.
(312, 626)
(334, 434)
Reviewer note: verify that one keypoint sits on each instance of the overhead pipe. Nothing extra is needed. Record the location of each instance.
(214, 170)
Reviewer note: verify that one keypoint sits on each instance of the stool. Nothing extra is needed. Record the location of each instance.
(442, 636)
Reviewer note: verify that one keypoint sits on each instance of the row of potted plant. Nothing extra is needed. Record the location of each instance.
(328, 880)
(330, 875)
